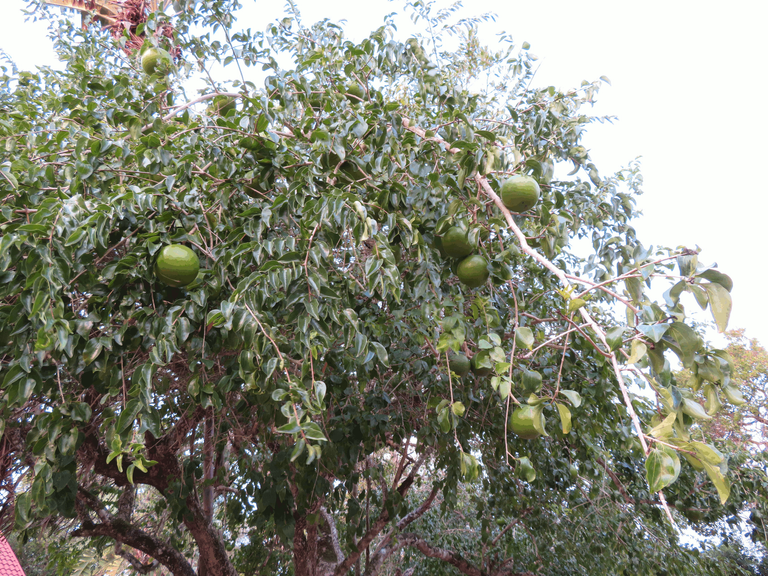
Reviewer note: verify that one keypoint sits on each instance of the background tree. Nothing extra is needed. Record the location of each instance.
(302, 404)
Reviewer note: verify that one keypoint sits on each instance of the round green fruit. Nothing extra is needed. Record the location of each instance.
(177, 265)
(520, 193)
(523, 422)
(456, 243)
(459, 363)
(473, 271)
(249, 143)
(354, 92)
(223, 105)
(477, 358)
(437, 242)
(693, 515)
(154, 60)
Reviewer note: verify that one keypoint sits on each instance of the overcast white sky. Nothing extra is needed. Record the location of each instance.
(688, 83)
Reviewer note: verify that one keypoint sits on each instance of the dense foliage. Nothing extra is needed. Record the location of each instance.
(292, 409)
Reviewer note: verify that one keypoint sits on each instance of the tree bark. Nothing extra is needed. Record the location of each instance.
(207, 477)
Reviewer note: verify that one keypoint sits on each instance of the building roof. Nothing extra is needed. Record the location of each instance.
(9, 564)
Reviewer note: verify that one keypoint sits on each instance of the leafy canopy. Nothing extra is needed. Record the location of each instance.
(293, 408)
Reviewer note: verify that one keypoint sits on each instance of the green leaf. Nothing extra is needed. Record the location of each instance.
(565, 417)
(538, 419)
(505, 387)
(720, 304)
(654, 332)
(81, 412)
(128, 415)
(687, 340)
(458, 409)
(706, 453)
(320, 390)
(718, 278)
(722, 483)
(381, 353)
(313, 431)
(734, 395)
(664, 428)
(575, 304)
(635, 289)
(443, 419)
(469, 467)
(526, 469)
(298, 449)
(615, 337)
(75, 238)
(524, 337)
(290, 428)
(92, 351)
(659, 470)
(712, 404)
(695, 410)
(687, 264)
(573, 396)
(637, 351)
(701, 296)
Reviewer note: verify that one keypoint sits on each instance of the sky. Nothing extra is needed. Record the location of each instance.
(687, 82)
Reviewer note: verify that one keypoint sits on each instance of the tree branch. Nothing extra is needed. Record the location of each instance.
(334, 534)
(125, 533)
(380, 522)
(454, 559)
(380, 554)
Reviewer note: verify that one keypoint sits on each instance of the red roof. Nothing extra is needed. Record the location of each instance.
(9, 564)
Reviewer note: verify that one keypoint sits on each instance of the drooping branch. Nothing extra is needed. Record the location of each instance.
(483, 182)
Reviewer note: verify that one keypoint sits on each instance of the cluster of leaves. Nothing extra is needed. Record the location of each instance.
(279, 410)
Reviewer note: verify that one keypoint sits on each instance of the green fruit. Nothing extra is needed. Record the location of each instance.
(354, 92)
(694, 516)
(520, 193)
(249, 143)
(437, 242)
(473, 271)
(522, 422)
(477, 358)
(155, 60)
(177, 265)
(456, 243)
(459, 363)
(223, 105)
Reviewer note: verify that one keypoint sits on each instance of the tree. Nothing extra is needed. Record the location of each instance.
(292, 409)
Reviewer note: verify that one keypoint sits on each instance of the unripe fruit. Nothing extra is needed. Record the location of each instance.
(520, 193)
